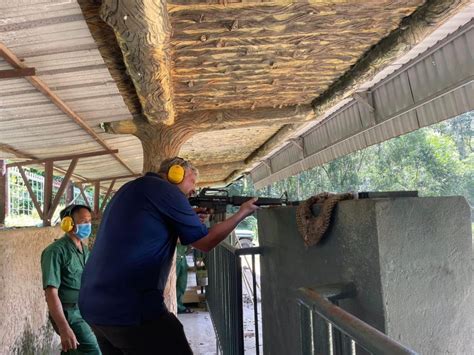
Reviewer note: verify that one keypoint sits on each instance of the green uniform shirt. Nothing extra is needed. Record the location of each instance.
(181, 250)
(62, 265)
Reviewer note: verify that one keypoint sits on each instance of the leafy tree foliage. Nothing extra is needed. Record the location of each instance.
(436, 161)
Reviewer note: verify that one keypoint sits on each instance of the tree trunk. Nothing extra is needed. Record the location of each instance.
(159, 143)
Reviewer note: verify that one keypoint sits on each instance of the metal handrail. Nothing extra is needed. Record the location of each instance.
(242, 251)
(362, 333)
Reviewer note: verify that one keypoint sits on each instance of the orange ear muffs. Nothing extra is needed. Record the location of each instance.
(176, 174)
(67, 224)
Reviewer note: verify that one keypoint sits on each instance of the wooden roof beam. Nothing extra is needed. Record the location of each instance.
(17, 73)
(63, 157)
(19, 154)
(214, 120)
(143, 31)
(92, 181)
(10, 57)
(412, 30)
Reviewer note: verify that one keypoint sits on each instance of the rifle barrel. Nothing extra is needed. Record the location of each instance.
(262, 201)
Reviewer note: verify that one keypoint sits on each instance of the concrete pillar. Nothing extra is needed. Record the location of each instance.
(410, 259)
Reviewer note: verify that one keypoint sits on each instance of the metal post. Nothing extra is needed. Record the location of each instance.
(48, 192)
(307, 343)
(96, 199)
(3, 192)
(69, 193)
(239, 309)
(255, 305)
(320, 335)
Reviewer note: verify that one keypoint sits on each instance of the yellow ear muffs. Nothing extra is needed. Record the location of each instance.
(67, 224)
(176, 174)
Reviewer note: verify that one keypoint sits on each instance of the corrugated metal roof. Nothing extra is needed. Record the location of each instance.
(436, 85)
(54, 38)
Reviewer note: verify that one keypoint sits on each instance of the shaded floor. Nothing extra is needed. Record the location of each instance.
(199, 331)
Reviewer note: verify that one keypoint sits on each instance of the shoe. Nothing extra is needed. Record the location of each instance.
(186, 310)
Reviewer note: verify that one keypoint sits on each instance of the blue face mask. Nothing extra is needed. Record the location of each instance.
(83, 230)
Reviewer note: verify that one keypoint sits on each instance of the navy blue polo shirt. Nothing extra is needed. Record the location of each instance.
(124, 278)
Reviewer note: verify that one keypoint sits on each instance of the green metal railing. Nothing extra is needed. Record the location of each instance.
(224, 296)
(326, 328)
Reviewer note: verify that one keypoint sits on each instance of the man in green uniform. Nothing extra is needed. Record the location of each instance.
(181, 276)
(62, 264)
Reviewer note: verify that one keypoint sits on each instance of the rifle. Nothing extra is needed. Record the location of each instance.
(217, 200)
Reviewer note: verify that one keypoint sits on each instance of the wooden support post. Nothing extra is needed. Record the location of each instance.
(107, 195)
(61, 189)
(48, 192)
(3, 192)
(69, 193)
(84, 196)
(31, 192)
(96, 199)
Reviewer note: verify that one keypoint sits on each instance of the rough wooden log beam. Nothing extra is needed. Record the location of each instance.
(119, 127)
(143, 32)
(275, 140)
(411, 32)
(233, 176)
(207, 172)
(105, 39)
(213, 120)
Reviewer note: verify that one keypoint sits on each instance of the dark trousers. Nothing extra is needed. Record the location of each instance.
(164, 336)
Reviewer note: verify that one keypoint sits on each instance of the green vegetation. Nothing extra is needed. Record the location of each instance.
(436, 161)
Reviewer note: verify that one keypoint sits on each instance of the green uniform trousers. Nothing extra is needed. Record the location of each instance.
(181, 280)
(84, 335)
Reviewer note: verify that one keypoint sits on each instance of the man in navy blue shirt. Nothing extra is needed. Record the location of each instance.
(121, 294)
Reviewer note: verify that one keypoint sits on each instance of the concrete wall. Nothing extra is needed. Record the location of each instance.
(24, 328)
(410, 259)
(426, 273)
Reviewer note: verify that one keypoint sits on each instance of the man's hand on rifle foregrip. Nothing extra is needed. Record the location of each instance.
(249, 207)
(203, 213)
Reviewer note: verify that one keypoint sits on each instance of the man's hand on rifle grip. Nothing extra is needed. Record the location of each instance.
(203, 213)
